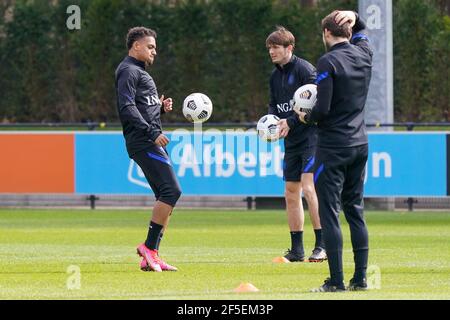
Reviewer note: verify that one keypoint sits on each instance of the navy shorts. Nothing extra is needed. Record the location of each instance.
(296, 163)
(157, 168)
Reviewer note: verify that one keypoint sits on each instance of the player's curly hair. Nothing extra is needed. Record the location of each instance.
(281, 37)
(137, 33)
(329, 23)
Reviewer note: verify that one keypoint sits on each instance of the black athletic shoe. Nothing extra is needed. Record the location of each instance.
(318, 255)
(294, 256)
(357, 286)
(329, 287)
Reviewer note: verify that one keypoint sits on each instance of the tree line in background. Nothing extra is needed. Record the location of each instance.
(49, 73)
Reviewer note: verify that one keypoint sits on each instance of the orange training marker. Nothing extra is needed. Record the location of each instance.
(280, 260)
(246, 287)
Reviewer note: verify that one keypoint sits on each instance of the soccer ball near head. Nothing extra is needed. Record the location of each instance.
(305, 98)
(268, 128)
(197, 107)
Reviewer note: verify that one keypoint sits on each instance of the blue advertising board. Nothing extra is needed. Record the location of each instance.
(240, 164)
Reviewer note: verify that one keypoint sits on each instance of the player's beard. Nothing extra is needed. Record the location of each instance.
(149, 62)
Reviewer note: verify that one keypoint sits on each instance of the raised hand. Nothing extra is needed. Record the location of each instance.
(344, 17)
(166, 103)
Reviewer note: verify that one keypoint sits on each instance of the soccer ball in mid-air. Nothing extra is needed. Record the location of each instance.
(268, 128)
(197, 107)
(305, 98)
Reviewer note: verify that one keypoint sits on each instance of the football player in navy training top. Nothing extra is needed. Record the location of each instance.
(344, 74)
(290, 73)
(139, 110)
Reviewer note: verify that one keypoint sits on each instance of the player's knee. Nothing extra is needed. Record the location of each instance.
(350, 204)
(354, 213)
(309, 192)
(171, 194)
(292, 188)
(176, 193)
(291, 196)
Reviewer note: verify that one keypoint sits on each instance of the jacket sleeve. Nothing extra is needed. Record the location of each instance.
(324, 83)
(126, 91)
(359, 36)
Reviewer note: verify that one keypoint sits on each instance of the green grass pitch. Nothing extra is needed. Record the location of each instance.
(215, 251)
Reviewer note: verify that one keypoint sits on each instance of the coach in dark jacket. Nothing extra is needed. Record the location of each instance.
(343, 83)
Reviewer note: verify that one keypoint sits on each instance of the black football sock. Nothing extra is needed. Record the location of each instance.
(153, 235)
(297, 242)
(319, 242)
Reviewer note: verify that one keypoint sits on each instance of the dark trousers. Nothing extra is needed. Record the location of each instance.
(339, 179)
